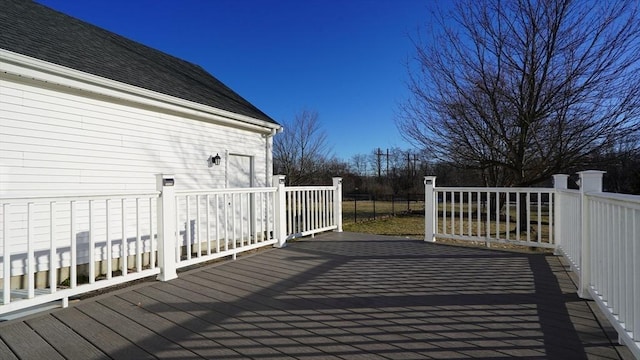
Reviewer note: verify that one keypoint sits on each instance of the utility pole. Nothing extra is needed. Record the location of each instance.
(387, 163)
(379, 163)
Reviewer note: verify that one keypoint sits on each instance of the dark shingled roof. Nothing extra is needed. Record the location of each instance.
(37, 31)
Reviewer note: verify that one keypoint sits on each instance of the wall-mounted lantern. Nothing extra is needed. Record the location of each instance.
(214, 160)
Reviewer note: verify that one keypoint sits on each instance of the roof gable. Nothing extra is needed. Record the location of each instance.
(37, 31)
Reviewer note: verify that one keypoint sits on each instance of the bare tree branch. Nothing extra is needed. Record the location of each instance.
(522, 89)
(300, 152)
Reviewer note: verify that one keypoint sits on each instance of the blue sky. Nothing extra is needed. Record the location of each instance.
(343, 58)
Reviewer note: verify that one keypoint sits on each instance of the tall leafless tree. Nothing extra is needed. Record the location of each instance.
(300, 152)
(359, 164)
(522, 89)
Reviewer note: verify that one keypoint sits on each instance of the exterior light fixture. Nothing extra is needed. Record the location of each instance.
(214, 160)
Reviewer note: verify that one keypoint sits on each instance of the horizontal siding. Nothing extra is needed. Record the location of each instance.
(65, 143)
(56, 143)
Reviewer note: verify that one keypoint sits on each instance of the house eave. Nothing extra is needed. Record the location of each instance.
(16, 64)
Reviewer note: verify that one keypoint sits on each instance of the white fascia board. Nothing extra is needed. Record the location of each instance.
(28, 67)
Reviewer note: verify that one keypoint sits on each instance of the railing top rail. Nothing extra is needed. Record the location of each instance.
(494, 189)
(226, 191)
(307, 188)
(569, 191)
(633, 200)
(81, 197)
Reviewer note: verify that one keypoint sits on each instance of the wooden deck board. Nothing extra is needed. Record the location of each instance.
(189, 315)
(5, 352)
(155, 319)
(26, 343)
(67, 342)
(215, 309)
(337, 296)
(138, 334)
(111, 343)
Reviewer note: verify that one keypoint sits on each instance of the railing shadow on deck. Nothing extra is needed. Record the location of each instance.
(380, 298)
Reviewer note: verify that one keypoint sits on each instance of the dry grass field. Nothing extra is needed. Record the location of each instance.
(411, 224)
(365, 210)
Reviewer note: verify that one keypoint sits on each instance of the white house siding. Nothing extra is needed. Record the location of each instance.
(60, 141)
(55, 143)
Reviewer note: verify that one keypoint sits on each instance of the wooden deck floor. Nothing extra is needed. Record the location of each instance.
(338, 296)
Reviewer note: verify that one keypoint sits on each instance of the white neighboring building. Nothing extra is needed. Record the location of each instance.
(83, 110)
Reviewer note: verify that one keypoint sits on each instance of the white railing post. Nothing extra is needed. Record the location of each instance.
(430, 211)
(559, 183)
(337, 203)
(166, 227)
(280, 211)
(590, 182)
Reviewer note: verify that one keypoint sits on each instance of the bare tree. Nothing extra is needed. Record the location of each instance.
(522, 89)
(359, 164)
(300, 152)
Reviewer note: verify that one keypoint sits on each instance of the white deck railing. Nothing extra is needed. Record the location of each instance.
(568, 228)
(55, 248)
(310, 210)
(493, 215)
(219, 223)
(611, 273)
(598, 233)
